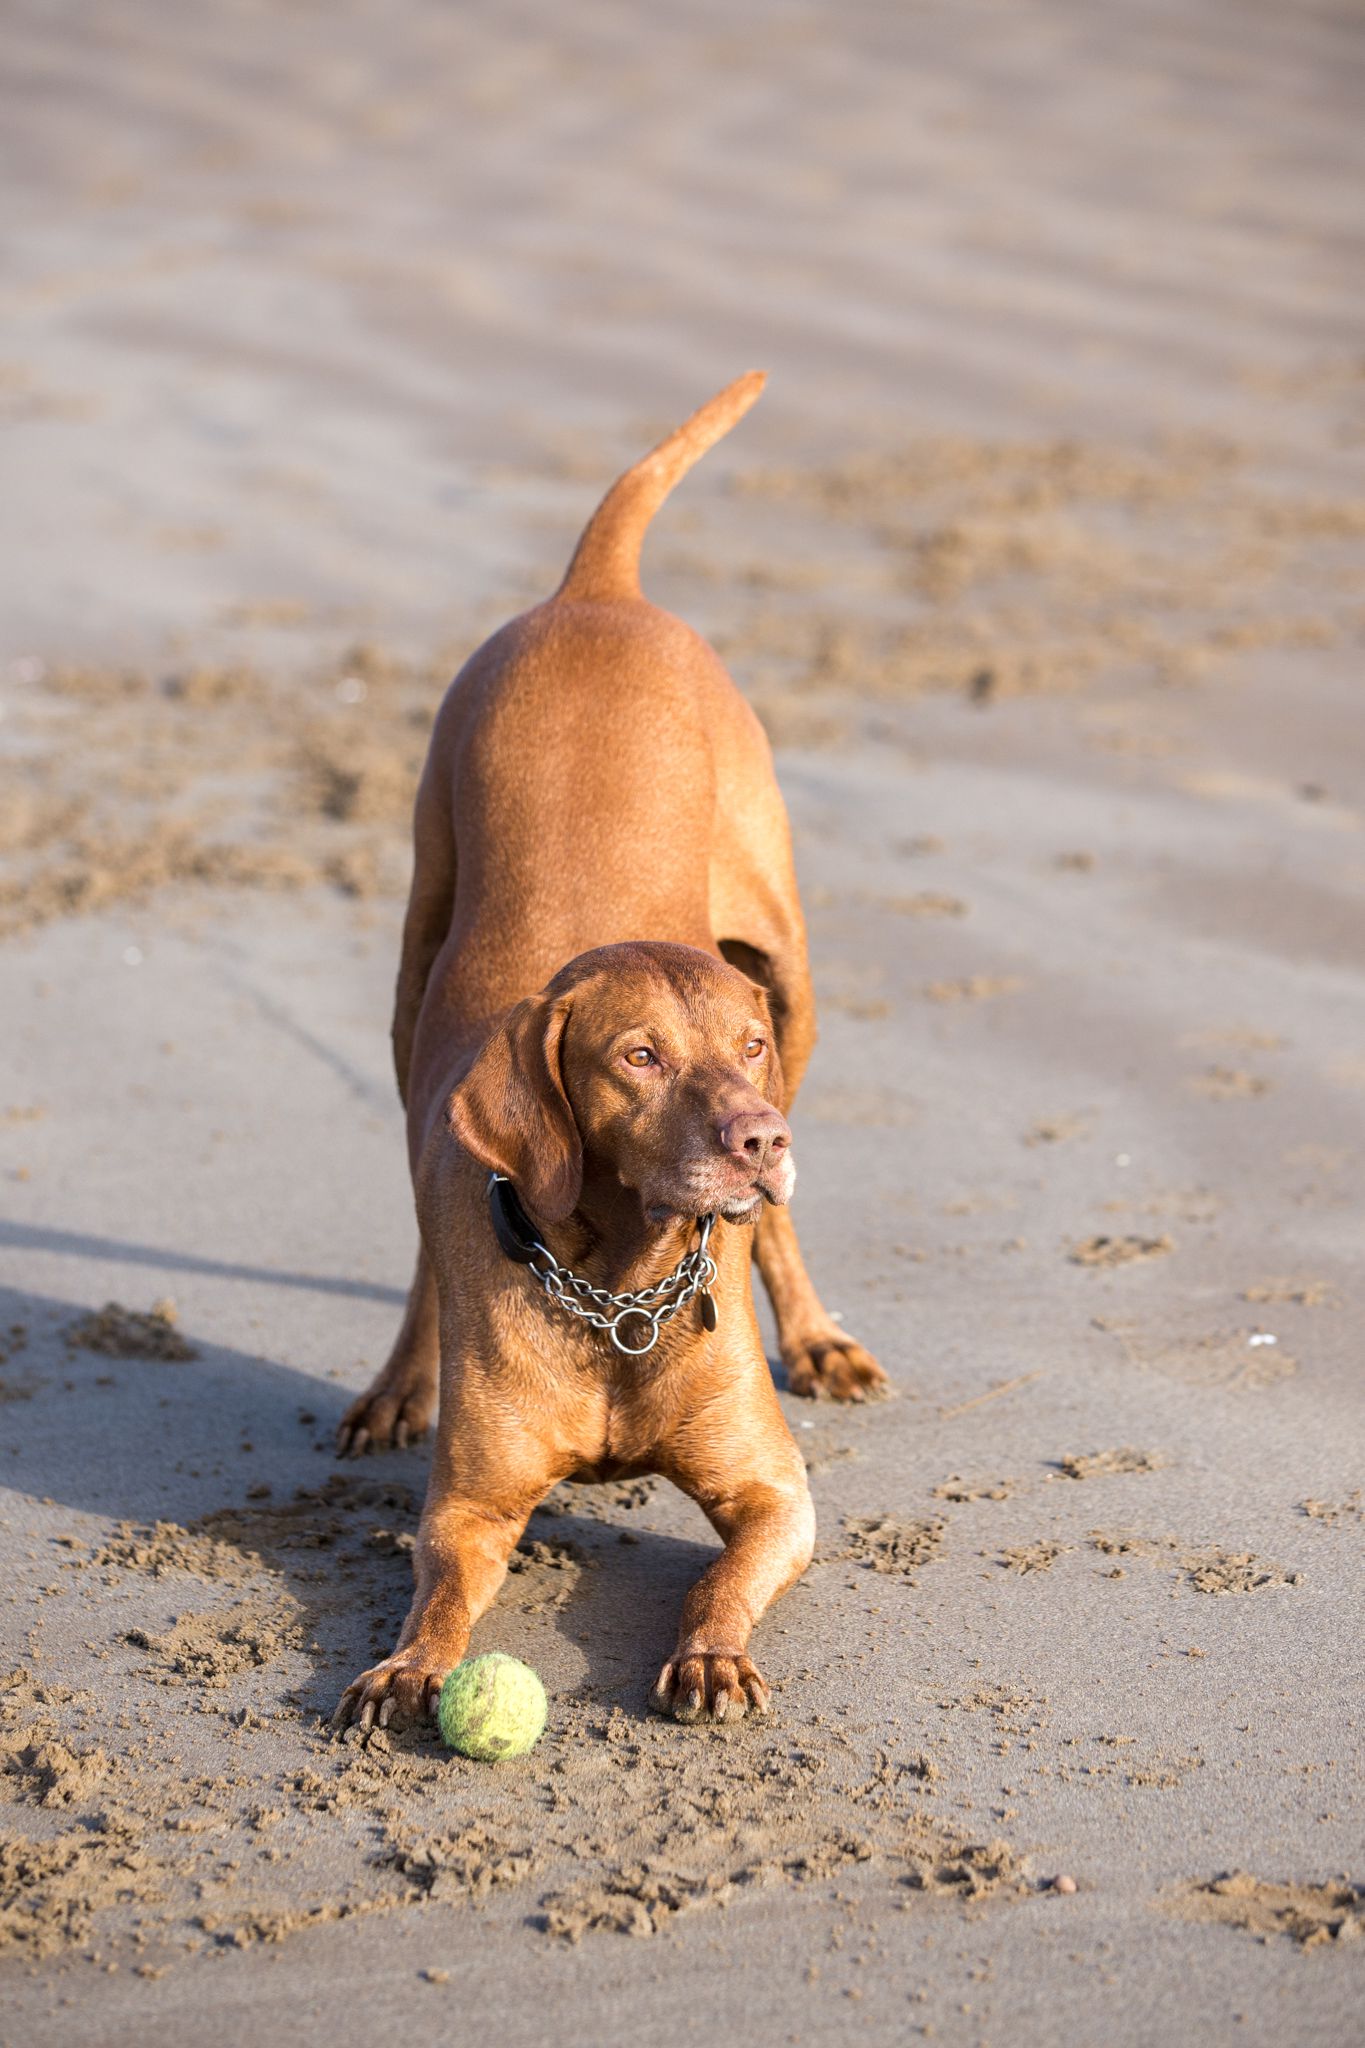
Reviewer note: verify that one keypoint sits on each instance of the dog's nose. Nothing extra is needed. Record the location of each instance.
(755, 1136)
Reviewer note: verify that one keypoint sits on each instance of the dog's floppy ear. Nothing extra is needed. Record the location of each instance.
(774, 1085)
(511, 1112)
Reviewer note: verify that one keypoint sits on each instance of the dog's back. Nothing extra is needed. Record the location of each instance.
(583, 763)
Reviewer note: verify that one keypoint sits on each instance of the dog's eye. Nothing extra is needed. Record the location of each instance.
(641, 1056)
(754, 1048)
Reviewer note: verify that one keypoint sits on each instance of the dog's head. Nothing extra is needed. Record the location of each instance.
(651, 1064)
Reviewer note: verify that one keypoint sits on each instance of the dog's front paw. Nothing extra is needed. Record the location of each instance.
(706, 1685)
(832, 1367)
(406, 1685)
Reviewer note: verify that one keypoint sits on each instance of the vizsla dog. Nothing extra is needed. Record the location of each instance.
(603, 1009)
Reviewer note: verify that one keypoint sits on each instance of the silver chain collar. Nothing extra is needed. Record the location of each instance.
(654, 1305)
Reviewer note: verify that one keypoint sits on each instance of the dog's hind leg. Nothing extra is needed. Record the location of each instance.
(431, 904)
(821, 1360)
(401, 1402)
(399, 1405)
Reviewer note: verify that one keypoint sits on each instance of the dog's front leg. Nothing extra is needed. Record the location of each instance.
(458, 1564)
(769, 1533)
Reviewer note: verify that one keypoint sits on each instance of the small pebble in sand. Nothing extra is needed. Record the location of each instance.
(1064, 1884)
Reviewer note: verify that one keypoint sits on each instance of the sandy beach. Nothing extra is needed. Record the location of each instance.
(323, 331)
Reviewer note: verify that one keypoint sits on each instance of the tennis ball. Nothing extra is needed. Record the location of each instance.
(492, 1707)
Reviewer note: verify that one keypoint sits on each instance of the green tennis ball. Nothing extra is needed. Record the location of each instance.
(492, 1707)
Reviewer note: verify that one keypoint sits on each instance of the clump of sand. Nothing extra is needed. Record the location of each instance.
(1119, 1251)
(207, 1650)
(119, 1332)
(888, 1544)
(1310, 1915)
(1295, 1293)
(43, 1770)
(1230, 1084)
(51, 1890)
(464, 1862)
(632, 1900)
(933, 1856)
(1352, 1509)
(961, 1490)
(1032, 1557)
(961, 1868)
(163, 1547)
(1091, 1464)
(1207, 1568)
(1055, 1130)
(546, 1573)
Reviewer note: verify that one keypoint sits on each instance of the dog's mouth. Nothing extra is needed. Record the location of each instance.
(715, 1186)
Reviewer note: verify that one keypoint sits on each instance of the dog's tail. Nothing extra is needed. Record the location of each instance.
(606, 561)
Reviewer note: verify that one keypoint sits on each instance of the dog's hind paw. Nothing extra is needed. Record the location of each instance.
(832, 1367)
(392, 1411)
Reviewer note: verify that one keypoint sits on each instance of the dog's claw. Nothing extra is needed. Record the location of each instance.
(710, 1686)
(405, 1686)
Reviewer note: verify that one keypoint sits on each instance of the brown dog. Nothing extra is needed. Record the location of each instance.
(598, 793)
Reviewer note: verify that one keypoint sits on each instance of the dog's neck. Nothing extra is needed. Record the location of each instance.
(610, 1241)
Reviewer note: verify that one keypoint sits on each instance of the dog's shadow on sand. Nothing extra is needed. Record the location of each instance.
(237, 1447)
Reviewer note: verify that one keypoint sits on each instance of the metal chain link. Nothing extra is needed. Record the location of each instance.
(655, 1305)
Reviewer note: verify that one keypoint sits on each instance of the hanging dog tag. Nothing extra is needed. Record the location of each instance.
(709, 1318)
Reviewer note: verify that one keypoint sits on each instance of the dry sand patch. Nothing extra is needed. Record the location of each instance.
(1208, 1568)
(1298, 1293)
(1107, 1251)
(889, 1544)
(1094, 1464)
(961, 1491)
(1039, 1556)
(617, 1824)
(1352, 1509)
(119, 1332)
(1309, 1915)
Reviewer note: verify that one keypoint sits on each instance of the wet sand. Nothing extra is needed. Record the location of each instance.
(1041, 559)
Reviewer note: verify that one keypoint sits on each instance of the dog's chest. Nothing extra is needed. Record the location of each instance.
(615, 1433)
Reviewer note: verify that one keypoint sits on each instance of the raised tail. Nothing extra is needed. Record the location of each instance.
(606, 562)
